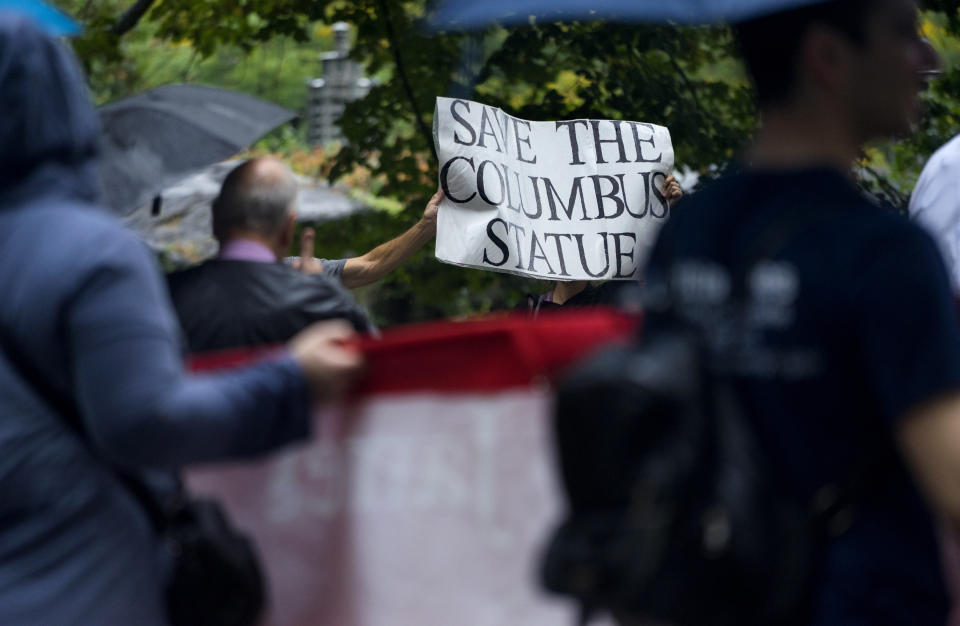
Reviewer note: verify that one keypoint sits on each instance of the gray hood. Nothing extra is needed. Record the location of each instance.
(48, 127)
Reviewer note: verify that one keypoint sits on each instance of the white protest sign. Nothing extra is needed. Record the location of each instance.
(566, 200)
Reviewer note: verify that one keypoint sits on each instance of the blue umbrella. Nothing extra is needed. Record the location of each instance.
(470, 14)
(52, 20)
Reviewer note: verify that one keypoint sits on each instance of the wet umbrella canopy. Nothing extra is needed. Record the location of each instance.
(156, 138)
(49, 18)
(472, 14)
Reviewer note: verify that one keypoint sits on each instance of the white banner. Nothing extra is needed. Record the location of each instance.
(425, 509)
(566, 200)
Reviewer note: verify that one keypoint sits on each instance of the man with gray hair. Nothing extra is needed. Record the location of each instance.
(245, 297)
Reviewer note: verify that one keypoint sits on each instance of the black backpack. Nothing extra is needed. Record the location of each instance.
(674, 514)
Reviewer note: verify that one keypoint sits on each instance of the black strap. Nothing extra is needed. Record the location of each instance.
(69, 413)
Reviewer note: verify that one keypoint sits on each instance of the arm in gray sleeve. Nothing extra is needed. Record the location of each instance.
(138, 405)
(333, 269)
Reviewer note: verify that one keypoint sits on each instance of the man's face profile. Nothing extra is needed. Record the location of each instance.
(887, 69)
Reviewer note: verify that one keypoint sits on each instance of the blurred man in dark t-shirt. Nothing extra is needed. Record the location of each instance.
(847, 326)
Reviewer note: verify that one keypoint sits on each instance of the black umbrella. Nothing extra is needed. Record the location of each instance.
(473, 14)
(158, 137)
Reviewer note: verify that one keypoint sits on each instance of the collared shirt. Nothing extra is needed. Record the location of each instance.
(246, 250)
(251, 250)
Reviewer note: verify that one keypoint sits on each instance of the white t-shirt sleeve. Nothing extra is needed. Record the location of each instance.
(935, 203)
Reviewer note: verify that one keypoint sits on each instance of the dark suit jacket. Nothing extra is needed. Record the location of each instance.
(229, 304)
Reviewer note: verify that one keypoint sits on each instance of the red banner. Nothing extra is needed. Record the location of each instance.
(427, 500)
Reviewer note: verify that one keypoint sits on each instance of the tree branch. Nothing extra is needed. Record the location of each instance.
(891, 194)
(402, 73)
(131, 16)
(693, 92)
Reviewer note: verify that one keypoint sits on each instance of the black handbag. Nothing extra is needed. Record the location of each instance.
(215, 577)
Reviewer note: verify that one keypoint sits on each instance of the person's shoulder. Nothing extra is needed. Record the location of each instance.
(81, 220)
(237, 275)
(946, 158)
(324, 281)
(708, 194)
(939, 180)
(885, 234)
(715, 196)
(282, 276)
(910, 234)
(189, 274)
(84, 235)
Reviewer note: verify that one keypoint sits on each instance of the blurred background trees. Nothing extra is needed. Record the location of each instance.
(687, 79)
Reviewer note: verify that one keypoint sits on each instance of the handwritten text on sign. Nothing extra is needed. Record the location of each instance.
(568, 200)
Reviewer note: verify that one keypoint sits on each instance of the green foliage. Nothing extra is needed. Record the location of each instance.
(892, 169)
(687, 79)
(677, 77)
(187, 42)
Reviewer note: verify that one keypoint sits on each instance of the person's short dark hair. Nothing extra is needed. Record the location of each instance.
(770, 45)
(254, 198)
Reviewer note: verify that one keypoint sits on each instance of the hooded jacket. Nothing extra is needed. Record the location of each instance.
(84, 301)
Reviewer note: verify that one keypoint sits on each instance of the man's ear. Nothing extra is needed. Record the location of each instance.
(214, 227)
(287, 231)
(827, 59)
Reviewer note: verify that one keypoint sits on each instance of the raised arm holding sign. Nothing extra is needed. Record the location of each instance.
(566, 200)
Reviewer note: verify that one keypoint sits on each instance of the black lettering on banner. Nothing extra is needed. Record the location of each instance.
(652, 191)
(464, 122)
(516, 232)
(497, 130)
(626, 204)
(556, 238)
(664, 205)
(445, 184)
(534, 246)
(618, 139)
(482, 187)
(638, 142)
(486, 129)
(536, 194)
(613, 194)
(647, 187)
(621, 254)
(575, 191)
(506, 175)
(583, 255)
(503, 125)
(574, 146)
(498, 242)
(519, 140)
